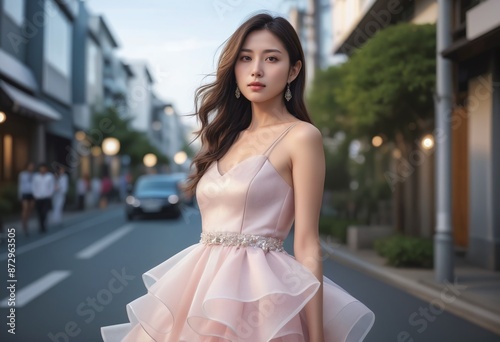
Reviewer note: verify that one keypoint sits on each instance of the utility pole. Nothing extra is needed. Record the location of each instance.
(443, 239)
(313, 24)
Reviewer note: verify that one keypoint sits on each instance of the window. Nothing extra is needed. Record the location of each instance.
(92, 60)
(57, 46)
(15, 10)
(93, 72)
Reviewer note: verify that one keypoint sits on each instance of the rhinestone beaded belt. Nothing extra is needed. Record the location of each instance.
(242, 240)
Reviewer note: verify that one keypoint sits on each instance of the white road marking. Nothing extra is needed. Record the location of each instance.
(28, 293)
(104, 242)
(59, 235)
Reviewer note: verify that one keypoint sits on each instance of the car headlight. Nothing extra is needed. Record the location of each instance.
(172, 199)
(131, 200)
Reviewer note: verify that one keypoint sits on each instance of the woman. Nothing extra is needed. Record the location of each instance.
(261, 169)
(25, 191)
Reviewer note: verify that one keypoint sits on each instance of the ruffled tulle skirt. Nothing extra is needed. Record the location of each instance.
(215, 293)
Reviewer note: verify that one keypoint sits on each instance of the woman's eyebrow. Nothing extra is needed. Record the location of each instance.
(265, 51)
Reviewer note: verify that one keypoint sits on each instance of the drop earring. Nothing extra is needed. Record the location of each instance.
(237, 93)
(288, 93)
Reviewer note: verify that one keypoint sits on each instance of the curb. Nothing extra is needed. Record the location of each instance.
(459, 306)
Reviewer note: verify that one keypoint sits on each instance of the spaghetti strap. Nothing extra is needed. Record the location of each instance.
(270, 148)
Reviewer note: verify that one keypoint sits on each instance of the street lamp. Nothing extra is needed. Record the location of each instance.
(377, 141)
(427, 142)
(150, 160)
(110, 146)
(3, 117)
(180, 157)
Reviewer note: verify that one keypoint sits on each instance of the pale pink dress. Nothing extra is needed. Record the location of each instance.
(226, 293)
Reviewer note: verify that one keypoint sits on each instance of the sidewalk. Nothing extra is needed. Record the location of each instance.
(69, 217)
(474, 296)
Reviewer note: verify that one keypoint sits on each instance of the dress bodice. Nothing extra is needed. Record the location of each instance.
(250, 198)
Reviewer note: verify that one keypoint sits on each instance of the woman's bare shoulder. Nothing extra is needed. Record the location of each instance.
(305, 141)
(305, 132)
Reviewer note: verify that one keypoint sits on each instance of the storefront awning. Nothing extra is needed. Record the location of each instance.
(28, 105)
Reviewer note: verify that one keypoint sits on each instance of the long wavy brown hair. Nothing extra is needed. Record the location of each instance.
(221, 114)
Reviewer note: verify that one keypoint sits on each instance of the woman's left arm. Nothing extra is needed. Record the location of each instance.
(308, 172)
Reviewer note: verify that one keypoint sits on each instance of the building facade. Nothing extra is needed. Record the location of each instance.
(106, 86)
(140, 96)
(36, 77)
(311, 20)
(474, 121)
(58, 67)
(475, 52)
(356, 21)
(56, 63)
(169, 134)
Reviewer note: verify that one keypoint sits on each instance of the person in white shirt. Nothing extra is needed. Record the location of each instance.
(25, 194)
(43, 189)
(59, 197)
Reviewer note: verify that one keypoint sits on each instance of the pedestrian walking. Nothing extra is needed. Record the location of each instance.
(43, 190)
(82, 188)
(25, 193)
(106, 189)
(59, 197)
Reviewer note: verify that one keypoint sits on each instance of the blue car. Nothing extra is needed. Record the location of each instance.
(154, 195)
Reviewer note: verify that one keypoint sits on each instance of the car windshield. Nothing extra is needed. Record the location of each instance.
(158, 185)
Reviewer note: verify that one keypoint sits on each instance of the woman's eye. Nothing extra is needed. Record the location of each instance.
(272, 59)
(245, 58)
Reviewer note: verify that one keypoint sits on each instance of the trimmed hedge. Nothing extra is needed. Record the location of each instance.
(406, 251)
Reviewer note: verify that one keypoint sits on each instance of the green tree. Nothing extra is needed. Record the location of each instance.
(322, 102)
(388, 85)
(388, 89)
(327, 114)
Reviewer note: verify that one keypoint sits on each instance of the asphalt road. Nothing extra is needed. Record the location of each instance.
(79, 277)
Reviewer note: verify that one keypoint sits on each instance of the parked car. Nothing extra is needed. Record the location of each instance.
(156, 195)
(182, 180)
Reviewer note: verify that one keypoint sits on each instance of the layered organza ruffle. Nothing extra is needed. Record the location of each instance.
(228, 294)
